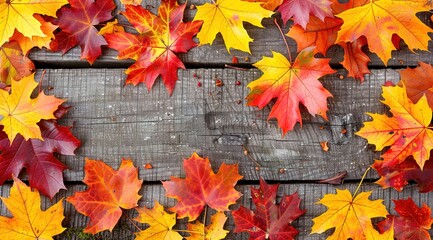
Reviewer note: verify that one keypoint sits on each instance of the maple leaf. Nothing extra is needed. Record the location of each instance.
(13, 64)
(355, 60)
(379, 20)
(413, 222)
(214, 231)
(349, 215)
(27, 43)
(399, 175)
(160, 37)
(19, 15)
(291, 84)
(202, 186)
(29, 221)
(109, 191)
(418, 82)
(407, 131)
(318, 33)
(268, 4)
(270, 221)
(300, 10)
(227, 17)
(160, 223)
(37, 156)
(22, 113)
(77, 23)
(111, 27)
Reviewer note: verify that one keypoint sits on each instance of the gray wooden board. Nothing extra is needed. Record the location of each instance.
(266, 39)
(309, 194)
(115, 122)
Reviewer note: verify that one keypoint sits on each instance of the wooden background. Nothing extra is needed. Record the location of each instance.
(114, 121)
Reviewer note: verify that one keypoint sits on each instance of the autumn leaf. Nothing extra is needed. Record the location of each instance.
(355, 60)
(111, 27)
(77, 23)
(227, 17)
(413, 222)
(29, 222)
(399, 175)
(406, 132)
(154, 48)
(269, 221)
(109, 191)
(418, 82)
(202, 186)
(268, 4)
(350, 216)
(13, 64)
(318, 33)
(160, 224)
(19, 15)
(214, 231)
(37, 157)
(300, 10)
(21, 113)
(27, 43)
(379, 20)
(291, 84)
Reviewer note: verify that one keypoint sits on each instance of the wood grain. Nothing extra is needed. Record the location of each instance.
(115, 122)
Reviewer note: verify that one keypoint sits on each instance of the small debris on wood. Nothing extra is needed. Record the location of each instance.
(219, 83)
(257, 169)
(192, 7)
(198, 84)
(335, 180)
(321, 127)
(282, 170)
(343, 131)
(147, 166)
(50, 88)
(235, 60)
(237, 83)
(246, 59)
(239, 101)
(324, 146)
(341, 76)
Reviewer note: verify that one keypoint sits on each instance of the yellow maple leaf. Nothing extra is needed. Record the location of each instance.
(29, 222)
(111, 28)
(18, 14)
(378, 20)
(160, 224)
(21, 113)
(213, 231)
(268, 4)
(407, 131)
(227, 17)
(349, 215)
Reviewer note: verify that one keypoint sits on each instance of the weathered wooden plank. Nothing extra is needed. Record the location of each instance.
(114, 122)
(309, 193)
(265, 40)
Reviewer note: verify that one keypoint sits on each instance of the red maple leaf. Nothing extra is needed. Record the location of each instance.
(154, 48)
(300, 10)
(413, 222)
(78, 22)
(292, 84)
(109, 191)
(397, 176)
(43, 168)
(269, 221)
(202, 186)
(355, 60)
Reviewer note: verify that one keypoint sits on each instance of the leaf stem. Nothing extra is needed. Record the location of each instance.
(362, 179)
(131, 221)
(204, 222)
(40, 81)
(284, 38)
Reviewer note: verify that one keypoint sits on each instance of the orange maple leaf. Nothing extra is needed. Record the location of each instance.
(13, 64)
(292, 84)
(418, 82)
(407, 131)
(29, 221)
(109, 191)
(202, 186)
(379, 20)
(268, 4)
(154, 48)
(350, 216)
